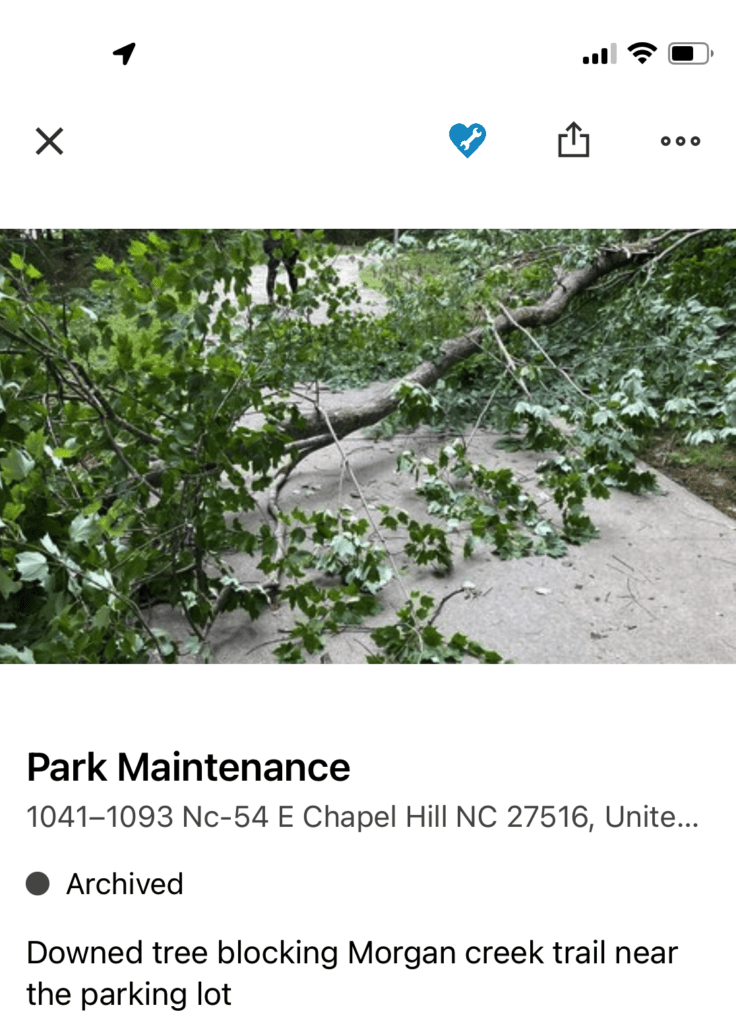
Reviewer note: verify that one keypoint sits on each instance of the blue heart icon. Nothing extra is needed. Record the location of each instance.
(467, 140)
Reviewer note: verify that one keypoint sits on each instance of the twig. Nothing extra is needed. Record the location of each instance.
(54, 436)
(552, 363)
(264, 643)
(480, 419)
(272, 586)
(309, 443)
(131, 469)
(507, 356)
(661, 238)
(675, 245)
(636, 600)
(366, 508)
(443, 602)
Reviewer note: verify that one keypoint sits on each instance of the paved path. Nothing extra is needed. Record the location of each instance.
(657, 587)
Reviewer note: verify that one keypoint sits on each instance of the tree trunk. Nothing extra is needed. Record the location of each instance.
(381, 402)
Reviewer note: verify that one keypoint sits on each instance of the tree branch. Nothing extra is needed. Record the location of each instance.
(383, 401)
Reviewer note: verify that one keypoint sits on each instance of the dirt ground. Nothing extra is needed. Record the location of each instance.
(712, 478)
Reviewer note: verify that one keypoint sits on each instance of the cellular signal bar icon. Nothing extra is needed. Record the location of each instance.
(604, 57)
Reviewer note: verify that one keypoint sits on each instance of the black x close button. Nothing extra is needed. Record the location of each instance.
(49, 140)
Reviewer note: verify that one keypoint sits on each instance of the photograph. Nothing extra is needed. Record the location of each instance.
(367, 446)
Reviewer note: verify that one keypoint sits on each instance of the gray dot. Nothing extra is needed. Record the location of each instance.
(37, 883)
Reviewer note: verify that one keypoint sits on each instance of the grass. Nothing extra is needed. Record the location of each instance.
(405, 269)
(142, 344)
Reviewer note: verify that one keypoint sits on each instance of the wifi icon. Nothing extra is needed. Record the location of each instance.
(642, 51)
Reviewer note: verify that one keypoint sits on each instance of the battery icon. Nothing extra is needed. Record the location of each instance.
(690, 53)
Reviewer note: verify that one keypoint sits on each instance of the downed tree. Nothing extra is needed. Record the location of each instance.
(378, 406)
(127, 465)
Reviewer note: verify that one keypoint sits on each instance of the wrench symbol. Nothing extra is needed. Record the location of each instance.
(476, 135)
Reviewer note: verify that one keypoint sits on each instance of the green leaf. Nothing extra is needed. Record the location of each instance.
(48, 545)
(84, 529)
(13, 510)
(431, 636)
(104, 263)
(343, 546)
(99, 580)
(16, 261)
(102, 617)
(32, 566)
(16, 465)
(10, 655)
(138, 248)
(8, 585)
(35, 442)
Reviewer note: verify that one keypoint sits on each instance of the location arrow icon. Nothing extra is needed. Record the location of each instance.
(124, 52)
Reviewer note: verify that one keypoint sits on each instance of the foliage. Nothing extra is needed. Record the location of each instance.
(489, 505)
(414, 639)
(673, 321)
(147, 413)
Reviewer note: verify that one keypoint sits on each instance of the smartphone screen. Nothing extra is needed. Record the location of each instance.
(367, 593)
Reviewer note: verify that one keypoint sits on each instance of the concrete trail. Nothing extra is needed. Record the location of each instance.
(657, 587)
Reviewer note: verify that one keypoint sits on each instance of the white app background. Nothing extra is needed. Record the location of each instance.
(312, 113)
(480, 738)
